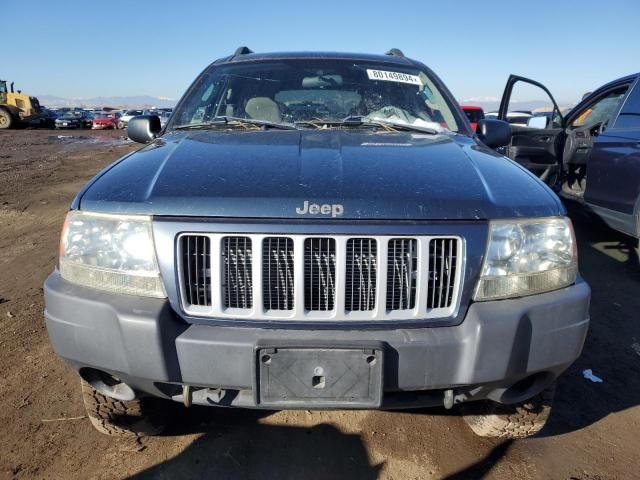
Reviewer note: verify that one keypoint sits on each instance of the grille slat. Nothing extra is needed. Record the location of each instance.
(237, 284)
(320, 271)
(381, 277)
(402, 261)
(443, 255)
(196, 260)
(278, 275)
(361, 274)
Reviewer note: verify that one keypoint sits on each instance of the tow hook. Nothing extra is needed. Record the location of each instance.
(448, 399)
(187, 395)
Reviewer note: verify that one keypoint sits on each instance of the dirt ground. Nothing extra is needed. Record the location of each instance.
(594, 431)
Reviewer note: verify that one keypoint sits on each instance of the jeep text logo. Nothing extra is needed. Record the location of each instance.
(336, 210)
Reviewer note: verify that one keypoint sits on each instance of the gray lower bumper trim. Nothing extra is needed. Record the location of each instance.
(144, 341)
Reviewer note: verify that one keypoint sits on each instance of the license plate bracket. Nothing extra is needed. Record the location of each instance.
(304, 376)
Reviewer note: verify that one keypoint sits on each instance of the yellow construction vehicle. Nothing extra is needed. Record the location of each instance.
(16, 108)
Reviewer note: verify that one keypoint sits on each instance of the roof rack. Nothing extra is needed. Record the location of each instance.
(242, 51)
(395, 52)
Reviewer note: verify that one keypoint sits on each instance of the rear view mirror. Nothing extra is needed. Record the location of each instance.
(144, 128)
(538, 122)
(322, 81)
(494, 133)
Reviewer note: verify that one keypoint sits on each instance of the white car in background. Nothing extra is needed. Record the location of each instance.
(128, 115)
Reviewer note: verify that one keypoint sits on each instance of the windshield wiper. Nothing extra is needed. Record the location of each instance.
(330, 123)
(357, 121)
(401, 126)
(225, 121)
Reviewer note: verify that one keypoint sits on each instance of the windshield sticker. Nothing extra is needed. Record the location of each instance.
(388, 76)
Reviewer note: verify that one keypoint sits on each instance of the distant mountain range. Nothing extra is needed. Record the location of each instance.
(141, 101)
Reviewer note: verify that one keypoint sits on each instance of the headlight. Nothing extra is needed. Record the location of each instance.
(528, 257)
(110, 252)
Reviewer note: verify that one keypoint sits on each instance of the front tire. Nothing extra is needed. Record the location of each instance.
(520, 420)
(6, 119)
(131, 418)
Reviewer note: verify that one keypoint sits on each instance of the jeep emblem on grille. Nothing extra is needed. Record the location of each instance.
(335, 210)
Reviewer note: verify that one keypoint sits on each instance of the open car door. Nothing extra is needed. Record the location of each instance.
(538, 135)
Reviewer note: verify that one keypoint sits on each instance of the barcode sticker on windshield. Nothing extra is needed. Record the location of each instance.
(387, 76)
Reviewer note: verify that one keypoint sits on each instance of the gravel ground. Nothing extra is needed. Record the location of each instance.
(593, 432)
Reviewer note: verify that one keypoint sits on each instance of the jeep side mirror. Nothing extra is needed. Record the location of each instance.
(494, 133)
(144, 128)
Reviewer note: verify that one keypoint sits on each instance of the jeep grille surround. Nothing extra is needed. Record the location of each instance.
(319, 278)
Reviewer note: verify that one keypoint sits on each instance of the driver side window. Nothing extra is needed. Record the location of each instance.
(600, 110)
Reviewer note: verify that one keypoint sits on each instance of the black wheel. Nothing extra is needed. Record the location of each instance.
(520, 420)
(120, 125)
(131, 418)
(6, 119)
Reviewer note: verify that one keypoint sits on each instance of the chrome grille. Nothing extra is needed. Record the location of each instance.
(361, 273)
(402, 273)
(196, 272)
(313, 277)
(442, 272)
(236, 281)
(277, 273)
(319, 273)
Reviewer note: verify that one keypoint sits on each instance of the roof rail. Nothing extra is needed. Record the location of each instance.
(395, 52)
(242, 51)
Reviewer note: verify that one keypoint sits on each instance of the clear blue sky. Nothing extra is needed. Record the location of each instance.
(104, 48)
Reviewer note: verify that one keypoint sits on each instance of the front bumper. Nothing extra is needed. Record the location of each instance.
(146, 344)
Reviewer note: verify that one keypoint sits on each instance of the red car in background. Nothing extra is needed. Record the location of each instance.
(106, 120)
(474, 114)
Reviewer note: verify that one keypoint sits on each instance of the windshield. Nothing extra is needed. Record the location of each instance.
(311, 90)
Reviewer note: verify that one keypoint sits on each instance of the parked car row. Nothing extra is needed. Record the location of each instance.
(97, 119)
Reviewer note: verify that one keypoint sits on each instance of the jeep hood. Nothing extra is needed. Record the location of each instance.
(270, 174)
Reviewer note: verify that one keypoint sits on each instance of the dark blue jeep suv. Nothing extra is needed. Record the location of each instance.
(317, 231)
